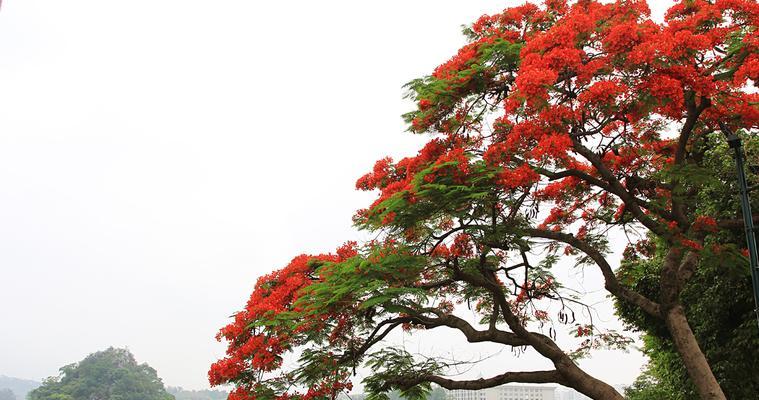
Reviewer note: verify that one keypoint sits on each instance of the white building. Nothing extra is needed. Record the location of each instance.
(505, 392)
(569, 394)
(563, 393)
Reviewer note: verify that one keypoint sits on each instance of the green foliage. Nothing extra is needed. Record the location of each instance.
(438, 195)
(719, 309)
(437, 393)
(646, 387)
(391, 368)
(718, 299)
(469, 82)
(372, 280)
(112, 374)
(182, 394)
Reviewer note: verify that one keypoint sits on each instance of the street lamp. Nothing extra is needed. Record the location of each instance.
(735, 143)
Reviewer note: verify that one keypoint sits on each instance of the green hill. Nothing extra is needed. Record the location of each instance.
(111, 374)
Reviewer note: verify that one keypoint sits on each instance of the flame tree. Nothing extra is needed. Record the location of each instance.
(553, 127)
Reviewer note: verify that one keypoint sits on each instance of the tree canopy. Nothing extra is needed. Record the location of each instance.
(112, 374)
(553, 129)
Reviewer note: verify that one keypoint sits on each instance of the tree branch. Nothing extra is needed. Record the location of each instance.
(616, 188)
(472, 335)
(476, 384)
(610, 280)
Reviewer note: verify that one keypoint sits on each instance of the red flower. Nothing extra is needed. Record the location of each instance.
(705, 223)
(522, 176)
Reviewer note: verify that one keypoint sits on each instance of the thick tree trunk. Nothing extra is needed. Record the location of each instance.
(692, 356)
(586, 384)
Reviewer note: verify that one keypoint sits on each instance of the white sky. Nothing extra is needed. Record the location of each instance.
(156, 157)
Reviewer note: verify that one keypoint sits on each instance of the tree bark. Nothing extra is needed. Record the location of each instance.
(695, 362)
(582, 382)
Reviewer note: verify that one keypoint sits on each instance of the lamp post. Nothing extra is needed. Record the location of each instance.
(735, 143)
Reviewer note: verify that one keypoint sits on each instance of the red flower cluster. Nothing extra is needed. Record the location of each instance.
(447, 157)
(519, 177)
(252, 344)
(705, 224)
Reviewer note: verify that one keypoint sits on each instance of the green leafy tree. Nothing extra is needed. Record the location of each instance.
(718, 298)
(437, 393)
(648, 387)
(112, 374)
(183, 394)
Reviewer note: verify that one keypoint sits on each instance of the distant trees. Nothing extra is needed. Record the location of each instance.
(19, 387)
(112, 374)
(7, 394)
(182, 394)
(437, 393)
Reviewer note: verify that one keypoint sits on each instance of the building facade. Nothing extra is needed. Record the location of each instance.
(505, 392)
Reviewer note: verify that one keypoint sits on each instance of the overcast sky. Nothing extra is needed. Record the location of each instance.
(157, 156)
